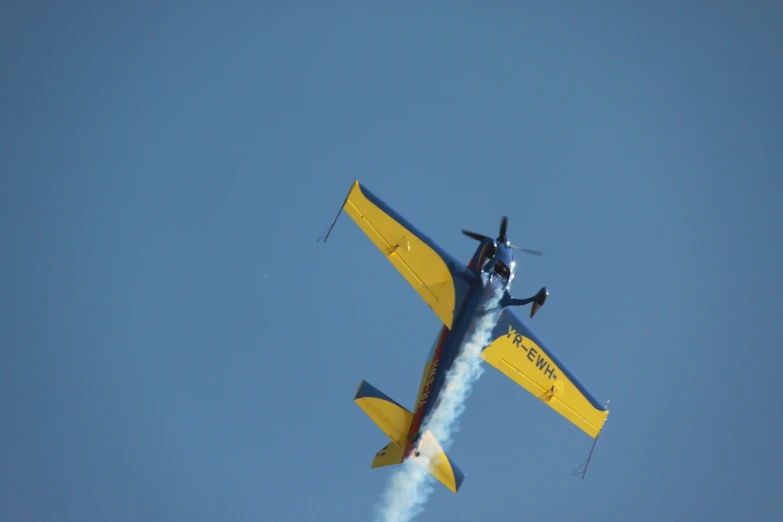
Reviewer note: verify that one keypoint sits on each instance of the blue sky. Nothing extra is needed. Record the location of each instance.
(176, 345)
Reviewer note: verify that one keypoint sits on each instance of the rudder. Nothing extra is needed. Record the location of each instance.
(437, 462)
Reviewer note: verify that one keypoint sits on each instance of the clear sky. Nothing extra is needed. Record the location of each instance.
(175, 346)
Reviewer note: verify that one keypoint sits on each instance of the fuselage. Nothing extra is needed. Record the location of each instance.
(493, 266)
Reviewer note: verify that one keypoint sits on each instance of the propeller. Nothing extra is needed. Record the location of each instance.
(503, 226)
(477, 237)
(527, 250)
(502, 238)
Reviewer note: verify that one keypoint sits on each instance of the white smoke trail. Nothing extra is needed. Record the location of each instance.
(464, 372)
(411, 485)
(406, 493)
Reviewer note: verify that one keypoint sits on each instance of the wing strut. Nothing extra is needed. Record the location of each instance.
(325, 235)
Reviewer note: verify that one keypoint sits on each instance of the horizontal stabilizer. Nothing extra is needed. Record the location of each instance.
(393, 419)
(437, 463)
(390, 455)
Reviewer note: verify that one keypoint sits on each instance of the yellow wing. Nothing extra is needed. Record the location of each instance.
(436, 276)
(517, 352)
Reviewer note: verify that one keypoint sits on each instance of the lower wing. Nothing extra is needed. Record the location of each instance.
(517, 352)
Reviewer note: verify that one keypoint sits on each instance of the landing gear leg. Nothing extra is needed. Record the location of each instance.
(538, 301)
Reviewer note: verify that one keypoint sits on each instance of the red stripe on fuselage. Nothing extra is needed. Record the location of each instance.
(431, 369)
(477, 261)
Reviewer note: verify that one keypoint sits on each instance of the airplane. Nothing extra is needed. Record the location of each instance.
(456, 292)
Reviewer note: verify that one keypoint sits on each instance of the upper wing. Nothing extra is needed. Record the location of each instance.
(516, 351)
(438, 278)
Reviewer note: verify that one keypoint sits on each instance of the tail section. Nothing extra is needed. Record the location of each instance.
(395, 421)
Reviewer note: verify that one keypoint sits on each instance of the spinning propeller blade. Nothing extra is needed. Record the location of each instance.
(502, 238)
(477, 237)
(527, 250)
(503, 227)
